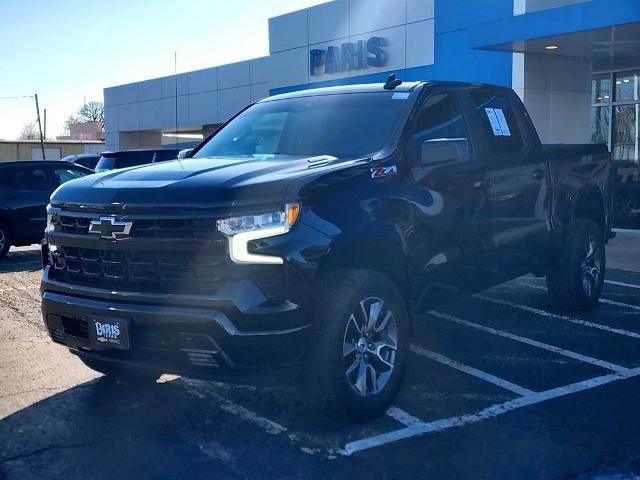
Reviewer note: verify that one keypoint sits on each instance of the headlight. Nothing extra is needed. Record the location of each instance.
(242, 230)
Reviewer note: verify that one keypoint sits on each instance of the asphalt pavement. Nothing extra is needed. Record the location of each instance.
(500, 385)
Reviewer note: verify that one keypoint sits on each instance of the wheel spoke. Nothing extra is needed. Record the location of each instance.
(373, 378)
(379, 349)
(373, 314)
(354, 322)
(384, 323)
(348, 349)
(352, 367)
(361, 380)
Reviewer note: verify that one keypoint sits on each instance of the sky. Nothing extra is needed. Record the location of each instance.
(67, 51)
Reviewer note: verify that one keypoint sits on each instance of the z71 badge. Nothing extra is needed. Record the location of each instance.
(379, 172)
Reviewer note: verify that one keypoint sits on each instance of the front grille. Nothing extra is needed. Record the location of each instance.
(141, 271)
(175, 228)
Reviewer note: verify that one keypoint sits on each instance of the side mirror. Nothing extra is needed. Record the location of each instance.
(442, 150)
(183, 153)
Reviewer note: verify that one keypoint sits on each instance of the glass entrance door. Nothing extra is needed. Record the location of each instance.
(615, 120)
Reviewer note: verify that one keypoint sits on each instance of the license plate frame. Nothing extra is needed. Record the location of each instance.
(106, 333)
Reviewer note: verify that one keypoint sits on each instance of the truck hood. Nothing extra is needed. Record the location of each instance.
(198, 183)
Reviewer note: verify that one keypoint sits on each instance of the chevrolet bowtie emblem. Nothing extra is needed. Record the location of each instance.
(110, 229)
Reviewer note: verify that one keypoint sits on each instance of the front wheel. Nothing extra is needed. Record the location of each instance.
(5, 239)
(362, 339)
(575, 281)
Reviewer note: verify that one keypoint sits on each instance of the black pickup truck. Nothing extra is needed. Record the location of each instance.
(303, 235)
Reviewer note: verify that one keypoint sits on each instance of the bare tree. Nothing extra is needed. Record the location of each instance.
(29, 132)
(92, 111)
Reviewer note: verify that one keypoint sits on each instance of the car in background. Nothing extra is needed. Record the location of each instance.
(133, 158)
(25, 188)
(88, 160)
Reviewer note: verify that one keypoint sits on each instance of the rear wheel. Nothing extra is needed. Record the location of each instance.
(575, 281)
(362, 338)
(121, 375)
(5, 239)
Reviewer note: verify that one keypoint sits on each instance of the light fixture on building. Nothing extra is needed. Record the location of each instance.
(551, 47)
(607, 97)
(618, 82)
(626, 80)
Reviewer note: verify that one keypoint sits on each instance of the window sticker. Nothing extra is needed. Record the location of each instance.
(493, 119)
(502, 120)
(400, 96)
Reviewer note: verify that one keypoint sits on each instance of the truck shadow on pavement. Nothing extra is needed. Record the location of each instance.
(21, 261)
(101, 429)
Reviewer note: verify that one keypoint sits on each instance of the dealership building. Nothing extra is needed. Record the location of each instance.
(575, 64)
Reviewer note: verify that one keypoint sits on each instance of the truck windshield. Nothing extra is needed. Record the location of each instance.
(348, 125)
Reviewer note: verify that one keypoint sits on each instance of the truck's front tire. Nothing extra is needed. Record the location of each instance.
(575, 281)
(360, 344)
(5, 239)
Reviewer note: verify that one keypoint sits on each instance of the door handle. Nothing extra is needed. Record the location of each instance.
(538, 174)
(482, 183)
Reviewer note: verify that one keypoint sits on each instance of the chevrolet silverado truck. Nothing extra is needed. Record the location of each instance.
(298, 241)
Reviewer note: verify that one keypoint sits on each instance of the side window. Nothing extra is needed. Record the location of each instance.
(62, 175)
(439, 120)
(32, 179)
(499, 122)
(8, 178)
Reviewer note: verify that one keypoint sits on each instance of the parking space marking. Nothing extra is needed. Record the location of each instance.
(544, 313)
(487, 377)
(485, 414)
(622, 284)
(602, 300)
(402, 416)
(533, 343)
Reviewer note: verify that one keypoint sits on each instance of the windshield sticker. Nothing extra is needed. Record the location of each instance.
(493, 119)
(379, 172)
(502, 120)
(400, 96)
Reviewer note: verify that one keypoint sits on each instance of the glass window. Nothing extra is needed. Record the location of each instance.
(626, 143)
(31, 179)
(350, 125)
(440, 119)
(628, 87)
(63, 175)
(500, 123)
(601, 89)
(600, 122)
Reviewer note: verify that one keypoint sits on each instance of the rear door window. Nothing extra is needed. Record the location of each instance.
(499, 123)
(35, 179)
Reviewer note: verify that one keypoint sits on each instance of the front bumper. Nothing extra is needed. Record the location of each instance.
(218, 337)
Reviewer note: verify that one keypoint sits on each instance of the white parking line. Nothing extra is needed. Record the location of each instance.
(533, 343)
(402, 416)
(602, 300)
(586, 323)
(487, 377)
(622, 284)
(487, 413)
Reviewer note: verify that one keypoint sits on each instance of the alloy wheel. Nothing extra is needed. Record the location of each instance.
(370, 347)
(591, 266)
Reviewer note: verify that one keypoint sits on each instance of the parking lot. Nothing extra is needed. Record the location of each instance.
(500, 385)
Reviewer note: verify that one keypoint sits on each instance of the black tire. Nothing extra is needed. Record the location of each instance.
(343, 293)
(5, 239)
(121, 375)
(572, 281)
